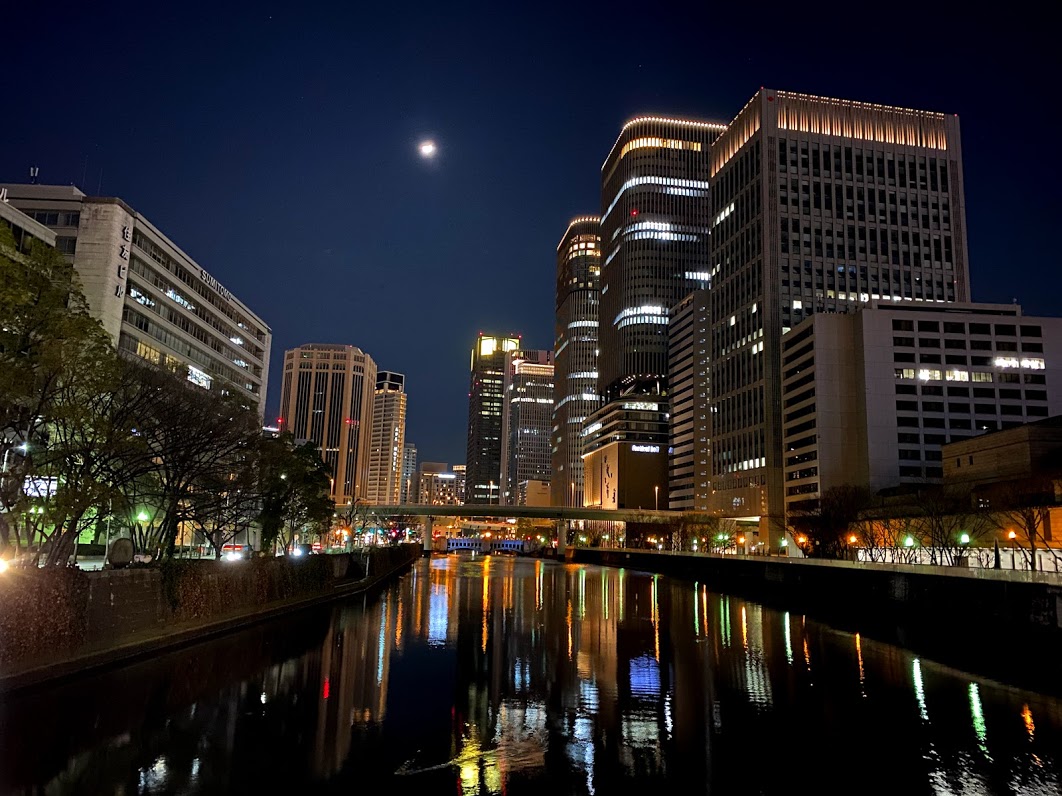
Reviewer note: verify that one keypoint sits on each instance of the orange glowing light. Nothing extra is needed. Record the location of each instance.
(852, 539)
(1012, 535)
(802, 540)
(741, 540)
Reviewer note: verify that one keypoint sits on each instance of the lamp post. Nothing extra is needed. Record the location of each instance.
(1013, 536)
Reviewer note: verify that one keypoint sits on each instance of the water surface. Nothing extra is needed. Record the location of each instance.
(502, 675)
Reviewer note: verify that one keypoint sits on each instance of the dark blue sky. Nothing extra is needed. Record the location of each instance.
(276, 144)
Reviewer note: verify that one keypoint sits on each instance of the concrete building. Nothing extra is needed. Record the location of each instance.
(689, 469)
(409, 474)
(871, 397)
(388, 439)
(575, 354)
(818, 205)
(154, 300)
(327, 399)
(1029, 455)
(485, 404)
(528, 416)
(24, 229)
(532, 493)
(654, 238)
(439, 485)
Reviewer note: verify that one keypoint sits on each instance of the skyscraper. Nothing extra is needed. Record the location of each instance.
(654, 236)
(328, 400)
(688, 466)
(409, 474)
(817, 205)
(486, 382)
(388, 439)
(575, 354)
(527, 416)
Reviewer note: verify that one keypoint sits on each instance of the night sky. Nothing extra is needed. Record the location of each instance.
(277, 144)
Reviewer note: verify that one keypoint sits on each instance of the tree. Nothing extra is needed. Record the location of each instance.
(949, 522)
(1025, 507)
(293, 484)
(48, 340)
(223, 508)
(194, 437)
(828, 525)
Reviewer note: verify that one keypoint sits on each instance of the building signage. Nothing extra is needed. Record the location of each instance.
(215, 284)
(645, 448)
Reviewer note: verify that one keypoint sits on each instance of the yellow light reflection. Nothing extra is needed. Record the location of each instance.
(862, 675)
(744, 629)
(1026, 716)
(569, 621)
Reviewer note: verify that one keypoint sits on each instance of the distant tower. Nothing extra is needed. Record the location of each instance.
(575, 349)
(527, 415)
(409, 474)
(483, 474)
(388, 439)
(328, 400)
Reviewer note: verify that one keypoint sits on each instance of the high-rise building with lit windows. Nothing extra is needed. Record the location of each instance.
(152, 298)
(485, 404)
(388, 439)
(654, 243)
(689, 470)
(327, 399)
(575, 354)
(818, 205)
(526, 421)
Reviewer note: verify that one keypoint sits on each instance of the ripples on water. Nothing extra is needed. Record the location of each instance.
(492, 675)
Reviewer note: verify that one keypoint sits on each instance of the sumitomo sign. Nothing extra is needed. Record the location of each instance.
(214, 284)
(645, 448)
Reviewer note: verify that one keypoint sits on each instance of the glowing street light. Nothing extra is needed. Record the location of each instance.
(964, 538)
(143, 517)
(908, 541)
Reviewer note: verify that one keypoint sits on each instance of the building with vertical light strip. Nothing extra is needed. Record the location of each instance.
(327, 399)
(575, 354)
(654, 243)
(485, 405)
(388, 439)
(526, 423)
(818, 205)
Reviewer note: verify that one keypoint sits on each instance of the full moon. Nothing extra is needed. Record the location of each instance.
(427, 149)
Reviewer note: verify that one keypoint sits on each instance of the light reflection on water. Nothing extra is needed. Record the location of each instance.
(492, 675)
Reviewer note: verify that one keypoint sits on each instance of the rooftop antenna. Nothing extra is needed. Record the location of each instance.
(33, 172)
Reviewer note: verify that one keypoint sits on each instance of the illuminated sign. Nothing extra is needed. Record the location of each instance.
(645, 448)
(199, 378)
(214, 284)
(641, 405)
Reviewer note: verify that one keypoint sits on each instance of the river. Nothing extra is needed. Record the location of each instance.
(502, 675)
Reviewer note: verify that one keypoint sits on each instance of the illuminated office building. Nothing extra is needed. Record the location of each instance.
(818, 205)
(527, 416)
(440, 485)
(689, 469)
(654, 241)
(388, 439)
(153, 299)
(575, 355)
(485, 403)
(327, 399)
